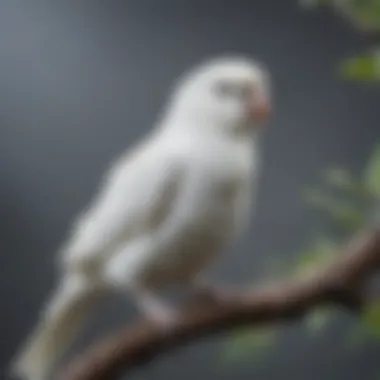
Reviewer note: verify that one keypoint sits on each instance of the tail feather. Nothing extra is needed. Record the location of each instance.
(58, 326)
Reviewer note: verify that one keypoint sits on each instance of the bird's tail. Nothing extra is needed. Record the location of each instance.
(60, 322)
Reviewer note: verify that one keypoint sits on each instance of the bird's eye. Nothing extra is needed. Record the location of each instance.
(224, 89)
(245, 91)
(232, 90)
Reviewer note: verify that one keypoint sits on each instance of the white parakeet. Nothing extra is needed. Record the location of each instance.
(166, 209)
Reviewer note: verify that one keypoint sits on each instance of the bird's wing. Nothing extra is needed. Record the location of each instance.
(136, 196)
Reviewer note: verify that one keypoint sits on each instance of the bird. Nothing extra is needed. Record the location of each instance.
(165, 210)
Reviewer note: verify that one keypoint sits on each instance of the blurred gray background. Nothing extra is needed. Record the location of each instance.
(80, 81)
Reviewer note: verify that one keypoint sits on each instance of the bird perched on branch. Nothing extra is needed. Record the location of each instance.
(166, 208)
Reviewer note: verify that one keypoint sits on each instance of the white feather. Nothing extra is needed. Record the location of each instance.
(165, 211)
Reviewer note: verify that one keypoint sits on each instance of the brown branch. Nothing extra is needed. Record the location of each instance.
(341, 283)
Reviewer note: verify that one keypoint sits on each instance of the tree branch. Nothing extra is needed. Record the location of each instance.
(342, 283)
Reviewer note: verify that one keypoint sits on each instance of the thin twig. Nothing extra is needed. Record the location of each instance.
(341, 283)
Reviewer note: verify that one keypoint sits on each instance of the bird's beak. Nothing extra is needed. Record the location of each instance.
(260, 109)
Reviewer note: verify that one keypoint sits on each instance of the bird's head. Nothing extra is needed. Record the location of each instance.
(230, 93)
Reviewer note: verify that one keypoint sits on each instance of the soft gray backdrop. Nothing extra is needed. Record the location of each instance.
(82, 80)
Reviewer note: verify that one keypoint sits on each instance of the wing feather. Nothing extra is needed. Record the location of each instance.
(135, 197)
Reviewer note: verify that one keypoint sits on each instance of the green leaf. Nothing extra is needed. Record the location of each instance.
(364, 68)
(347, 215)
(372, 172)
(316, 198)
(325, 247)
(371, 319)
(248, 341)
(340, 178)
(320, 251)
(364, 14)
(317, 319)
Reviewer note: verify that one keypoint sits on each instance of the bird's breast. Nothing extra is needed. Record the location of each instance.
(210, 227)
(220, 192)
